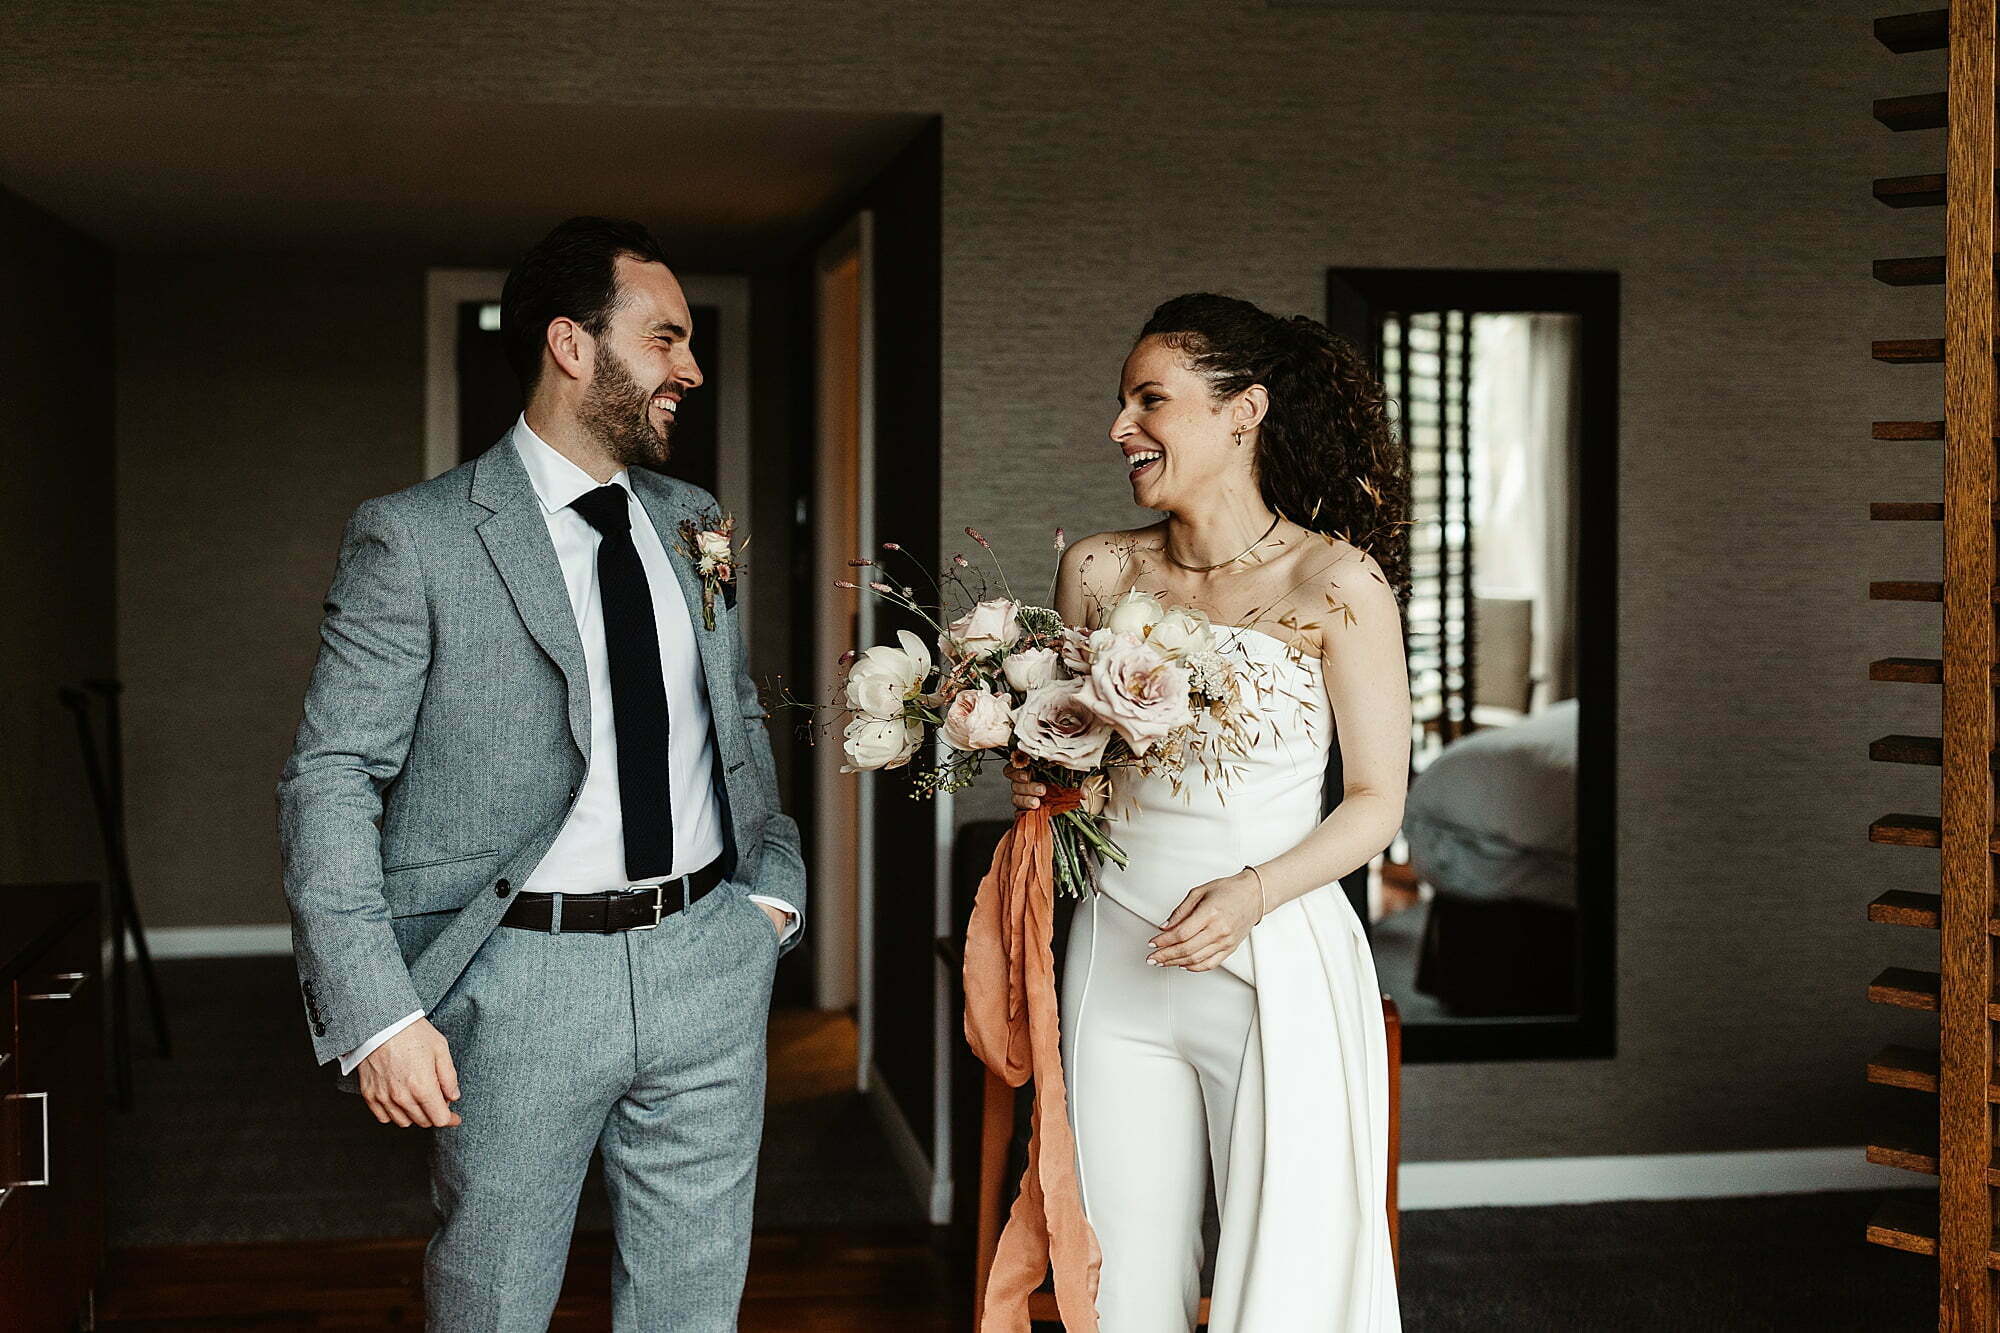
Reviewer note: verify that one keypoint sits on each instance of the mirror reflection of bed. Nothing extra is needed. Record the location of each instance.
(1475, 907)
(1490, 833)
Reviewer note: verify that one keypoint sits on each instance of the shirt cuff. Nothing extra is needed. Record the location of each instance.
(791, 914)
(354, 1057)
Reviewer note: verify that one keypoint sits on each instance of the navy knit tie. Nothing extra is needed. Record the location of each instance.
(638, 690)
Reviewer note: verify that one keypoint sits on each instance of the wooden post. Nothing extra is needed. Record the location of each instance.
(1965, 1032)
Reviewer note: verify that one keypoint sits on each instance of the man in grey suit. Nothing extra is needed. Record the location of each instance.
(538, 877)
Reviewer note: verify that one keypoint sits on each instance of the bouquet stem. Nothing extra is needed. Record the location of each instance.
(1079, 842)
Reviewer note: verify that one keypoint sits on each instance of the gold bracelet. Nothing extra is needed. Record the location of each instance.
(1262, 910)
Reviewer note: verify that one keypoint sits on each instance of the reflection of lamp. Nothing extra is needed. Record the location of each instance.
(1503, 676)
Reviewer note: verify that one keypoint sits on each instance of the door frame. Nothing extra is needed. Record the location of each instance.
(856, 239)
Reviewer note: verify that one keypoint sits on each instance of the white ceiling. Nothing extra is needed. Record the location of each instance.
(446, 183)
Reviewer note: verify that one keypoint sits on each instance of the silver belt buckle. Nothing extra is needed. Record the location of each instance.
(659, 908)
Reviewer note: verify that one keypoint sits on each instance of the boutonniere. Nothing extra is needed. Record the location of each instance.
(707, 541)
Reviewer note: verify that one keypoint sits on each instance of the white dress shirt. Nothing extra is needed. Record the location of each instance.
(588, 854)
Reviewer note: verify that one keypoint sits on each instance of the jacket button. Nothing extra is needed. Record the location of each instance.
(319, 1029)
(502, 889)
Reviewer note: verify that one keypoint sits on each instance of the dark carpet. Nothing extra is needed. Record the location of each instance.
(1792, 1262)
(240, 1137)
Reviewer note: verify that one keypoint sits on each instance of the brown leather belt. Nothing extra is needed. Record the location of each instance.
(618, 909)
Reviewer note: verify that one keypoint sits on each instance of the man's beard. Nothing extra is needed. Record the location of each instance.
(619, 413)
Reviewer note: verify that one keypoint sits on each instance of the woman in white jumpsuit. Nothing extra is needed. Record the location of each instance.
(1221, 1018)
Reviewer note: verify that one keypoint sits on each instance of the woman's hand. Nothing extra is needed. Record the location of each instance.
(1027, 792)
(1210, 922)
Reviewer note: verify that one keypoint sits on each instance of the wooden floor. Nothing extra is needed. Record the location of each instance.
(808, 1282)
(811, 1053)
(880, 1281)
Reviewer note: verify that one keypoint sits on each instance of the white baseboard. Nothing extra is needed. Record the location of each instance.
(218, 941)
(1535, 1181)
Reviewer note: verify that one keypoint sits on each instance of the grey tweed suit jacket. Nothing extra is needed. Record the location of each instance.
(446, 732)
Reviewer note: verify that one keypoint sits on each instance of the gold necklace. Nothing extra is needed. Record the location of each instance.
(1203, 569)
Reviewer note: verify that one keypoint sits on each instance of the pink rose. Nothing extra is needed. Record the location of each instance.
(1030, 667)
(986, 628)
(977, 719)
(1135, 689)
(1052, 723)
(1075, 648)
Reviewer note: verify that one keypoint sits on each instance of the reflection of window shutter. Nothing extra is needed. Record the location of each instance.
(1426, 360)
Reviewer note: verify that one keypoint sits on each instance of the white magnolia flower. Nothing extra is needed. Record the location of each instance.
(880, 742)
(882, 678)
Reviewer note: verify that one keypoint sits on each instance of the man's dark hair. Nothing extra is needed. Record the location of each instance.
(570, 273)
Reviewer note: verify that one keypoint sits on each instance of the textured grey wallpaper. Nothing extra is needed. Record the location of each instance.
(259, 400)
(59, 527)
(1099, 158)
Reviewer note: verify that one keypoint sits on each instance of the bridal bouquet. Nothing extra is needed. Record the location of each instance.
(1145, 688)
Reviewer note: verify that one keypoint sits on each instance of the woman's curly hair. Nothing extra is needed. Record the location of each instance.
(1328, 454)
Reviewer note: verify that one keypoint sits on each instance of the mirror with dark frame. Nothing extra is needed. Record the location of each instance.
(1491, 914)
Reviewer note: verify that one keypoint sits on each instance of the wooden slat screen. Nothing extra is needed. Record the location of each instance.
(1959, 1229)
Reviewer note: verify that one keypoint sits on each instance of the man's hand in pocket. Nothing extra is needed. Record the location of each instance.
(409, 1079)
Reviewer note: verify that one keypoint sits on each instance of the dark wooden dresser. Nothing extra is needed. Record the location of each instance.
(52, 1116)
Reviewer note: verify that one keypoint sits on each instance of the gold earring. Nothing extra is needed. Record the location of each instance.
(1239, 439)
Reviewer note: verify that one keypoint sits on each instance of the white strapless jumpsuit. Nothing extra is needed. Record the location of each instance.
(1267, 1074)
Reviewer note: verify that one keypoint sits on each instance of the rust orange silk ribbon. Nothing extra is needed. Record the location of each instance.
(1010, 1022)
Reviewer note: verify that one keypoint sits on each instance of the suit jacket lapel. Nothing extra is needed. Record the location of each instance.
(718, 663)
(517, 539)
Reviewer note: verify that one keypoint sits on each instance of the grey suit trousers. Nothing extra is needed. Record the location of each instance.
(647, 1044)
